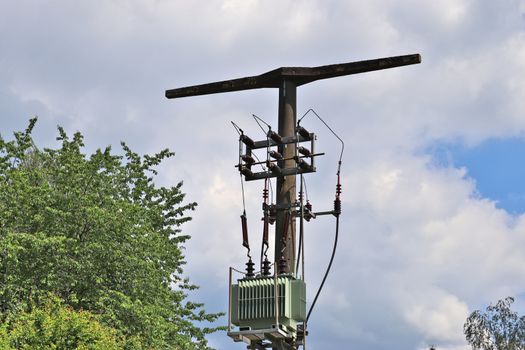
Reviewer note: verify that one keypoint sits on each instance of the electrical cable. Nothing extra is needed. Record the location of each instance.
(327, 269)
(265, 240)
(305, 188)
(336, 212)
(301, 223)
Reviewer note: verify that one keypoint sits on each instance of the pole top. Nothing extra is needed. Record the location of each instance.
(299, 75)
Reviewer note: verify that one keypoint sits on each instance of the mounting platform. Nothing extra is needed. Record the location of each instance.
(253, 335)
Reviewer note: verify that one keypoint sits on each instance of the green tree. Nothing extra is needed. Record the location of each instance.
(97, 232)
(55, 326)
(499, 328)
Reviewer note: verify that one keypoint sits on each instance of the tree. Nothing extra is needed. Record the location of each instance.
(55, 326)
(499, 328)
(97, 232)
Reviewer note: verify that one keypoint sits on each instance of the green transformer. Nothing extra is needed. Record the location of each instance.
(257, 303)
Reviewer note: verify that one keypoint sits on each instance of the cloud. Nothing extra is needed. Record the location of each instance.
(419, 246)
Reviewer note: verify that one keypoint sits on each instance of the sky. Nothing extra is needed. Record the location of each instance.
(433, 219)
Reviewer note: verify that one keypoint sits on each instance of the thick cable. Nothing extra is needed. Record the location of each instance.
(301, 229)
(265, 240)
(328, 268)
(305, 187)
(337, 209)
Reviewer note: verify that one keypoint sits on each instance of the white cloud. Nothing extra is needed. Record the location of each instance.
(419, 247)
(438, 316)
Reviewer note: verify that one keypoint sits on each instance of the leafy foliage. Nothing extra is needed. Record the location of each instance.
(98, 233)
(499, 328)
(55, 326)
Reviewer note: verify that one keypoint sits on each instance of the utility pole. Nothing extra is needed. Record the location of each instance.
(287, 79)
(286, 189)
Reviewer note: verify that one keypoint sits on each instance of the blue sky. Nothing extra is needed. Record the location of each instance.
(426, 237)
(496, 165)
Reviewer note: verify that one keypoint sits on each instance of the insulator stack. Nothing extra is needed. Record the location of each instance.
(266, 267)
(250, 269)
(283, 265)
(266, 219)
(338, 187)
(337, 206)
(272, 216)
(308, 211)
(337, 201)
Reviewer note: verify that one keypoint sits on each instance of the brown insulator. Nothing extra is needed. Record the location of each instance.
(250, 269)
(274, 168)
(304, 133)
(247, 141)
(308, 211)
(276, 155)
(275, 136)
(248, 159)
(246, 172)
(244, 224)
(302, 164)
(266, 221)
(304, 151)
(283, 265)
